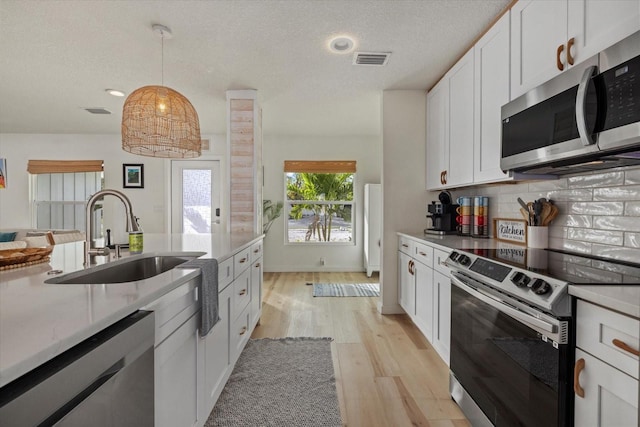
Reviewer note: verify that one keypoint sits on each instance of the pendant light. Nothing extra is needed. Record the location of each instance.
(157, 121)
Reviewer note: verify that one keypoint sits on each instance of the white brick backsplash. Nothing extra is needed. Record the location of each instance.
(599, 211)
(555, 184)
(632, 240)
(608, 237)
(585, 221)
(576, 246)
(605, 179)
(632, 176)
(632, 209)
(621, 253)
(629, 192)
(626, 223)
(593, 274)
(596, 208)
(577, 194)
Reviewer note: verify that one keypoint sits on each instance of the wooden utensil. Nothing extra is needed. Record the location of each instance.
(552, 215)
(525, 214)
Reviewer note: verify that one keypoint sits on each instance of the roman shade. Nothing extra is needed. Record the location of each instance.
(320, 166)
(64, 166)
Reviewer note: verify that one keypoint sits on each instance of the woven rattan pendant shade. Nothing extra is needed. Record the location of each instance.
(157, 121)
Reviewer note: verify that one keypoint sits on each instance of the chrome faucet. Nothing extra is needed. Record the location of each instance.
(132, 223)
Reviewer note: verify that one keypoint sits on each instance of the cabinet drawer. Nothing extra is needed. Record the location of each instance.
(241, 261)
(174, 308)
(439, 257)
(598, 328)
(239, 334)
(424, 254)
(256, 251)
(406, 245)
(241, 293)
(225, 273)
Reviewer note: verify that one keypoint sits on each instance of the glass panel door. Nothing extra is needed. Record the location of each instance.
(195, 196)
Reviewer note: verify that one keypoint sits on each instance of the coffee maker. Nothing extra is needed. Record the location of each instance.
(443, 215)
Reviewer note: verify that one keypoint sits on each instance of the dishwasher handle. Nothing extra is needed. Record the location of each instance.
(80, 397)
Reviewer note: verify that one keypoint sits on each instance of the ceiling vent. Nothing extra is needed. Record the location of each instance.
(371, 58)
(98, 110)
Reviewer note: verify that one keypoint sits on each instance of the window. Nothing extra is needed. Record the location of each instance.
(60, 193)
(319, 201)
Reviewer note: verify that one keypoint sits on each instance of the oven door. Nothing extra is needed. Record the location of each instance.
(502, 359)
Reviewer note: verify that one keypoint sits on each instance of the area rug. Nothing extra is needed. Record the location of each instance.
(280, 382)
(346, 290)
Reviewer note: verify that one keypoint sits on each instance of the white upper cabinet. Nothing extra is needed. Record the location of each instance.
(437, 134)
(460, 168)
(547, 37)
(492, 61)
(450, 128)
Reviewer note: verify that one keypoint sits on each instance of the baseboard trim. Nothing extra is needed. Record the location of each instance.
(311, 269)
(390, 309)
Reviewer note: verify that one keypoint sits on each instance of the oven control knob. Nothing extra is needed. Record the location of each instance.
(540, 287)
(464, 260)
(520, 279)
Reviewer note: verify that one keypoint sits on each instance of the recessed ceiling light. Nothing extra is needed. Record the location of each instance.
(341, 44)
(114, 92)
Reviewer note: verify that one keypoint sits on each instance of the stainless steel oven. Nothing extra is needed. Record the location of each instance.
(513, 331)
(511, 361)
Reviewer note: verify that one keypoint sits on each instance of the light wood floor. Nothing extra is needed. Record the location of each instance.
(387, 373)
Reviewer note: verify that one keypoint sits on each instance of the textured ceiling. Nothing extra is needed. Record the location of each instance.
(57, 57)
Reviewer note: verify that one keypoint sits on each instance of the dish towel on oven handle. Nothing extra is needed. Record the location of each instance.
(208, 292)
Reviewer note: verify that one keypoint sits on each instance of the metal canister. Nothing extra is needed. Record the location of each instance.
(135, 242)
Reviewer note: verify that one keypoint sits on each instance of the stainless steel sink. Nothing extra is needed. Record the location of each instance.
(131, 269)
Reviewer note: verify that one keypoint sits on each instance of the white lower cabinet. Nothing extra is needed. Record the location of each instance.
(441, 340)
(216, 354)
(425, 291)
(191, 371)
(424, 300)
(406, 284)
(606, 369)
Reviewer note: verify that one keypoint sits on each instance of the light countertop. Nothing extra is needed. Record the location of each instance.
(624, 298)
(39, 321)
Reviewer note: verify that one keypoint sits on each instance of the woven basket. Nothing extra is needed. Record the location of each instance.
(15, 258)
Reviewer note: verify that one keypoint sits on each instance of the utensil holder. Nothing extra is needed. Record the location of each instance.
(538, 237)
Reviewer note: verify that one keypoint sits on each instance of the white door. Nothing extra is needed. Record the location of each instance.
(437, 134)
(195, 196)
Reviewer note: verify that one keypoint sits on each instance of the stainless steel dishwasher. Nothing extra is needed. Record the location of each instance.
(107, 380)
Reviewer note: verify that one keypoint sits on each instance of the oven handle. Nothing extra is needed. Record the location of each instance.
(538, 324)
(581, 106)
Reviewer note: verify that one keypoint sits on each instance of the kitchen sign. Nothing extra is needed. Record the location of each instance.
(510, 230)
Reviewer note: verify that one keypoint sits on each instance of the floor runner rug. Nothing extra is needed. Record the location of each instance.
(280, 382)
(346, 290)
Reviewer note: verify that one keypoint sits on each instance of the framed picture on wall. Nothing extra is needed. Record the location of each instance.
(3, 174)
(133, 175)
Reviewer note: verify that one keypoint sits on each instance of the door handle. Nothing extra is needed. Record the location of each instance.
(559, 63)
(570, 44)
(576, 377)
(581, 106)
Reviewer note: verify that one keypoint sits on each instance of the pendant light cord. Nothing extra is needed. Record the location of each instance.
(162, 56)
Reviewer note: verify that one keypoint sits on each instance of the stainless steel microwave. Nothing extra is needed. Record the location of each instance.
(586, 118)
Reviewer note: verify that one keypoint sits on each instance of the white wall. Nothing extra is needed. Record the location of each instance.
(366, 151)
(404, 197)
(149, 203)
